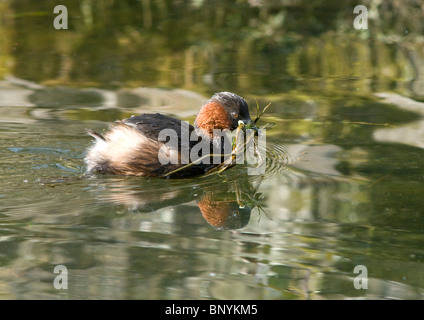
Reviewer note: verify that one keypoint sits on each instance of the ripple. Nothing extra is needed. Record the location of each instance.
(279, 158)
(38, 150)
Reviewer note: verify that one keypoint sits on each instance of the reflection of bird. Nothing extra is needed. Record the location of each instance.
(132, 146)
(223, 214)
(225, 201)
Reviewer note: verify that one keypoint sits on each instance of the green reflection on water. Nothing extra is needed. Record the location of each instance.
(208, 46)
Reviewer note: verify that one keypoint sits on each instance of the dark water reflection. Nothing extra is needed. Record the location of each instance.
(344, 179)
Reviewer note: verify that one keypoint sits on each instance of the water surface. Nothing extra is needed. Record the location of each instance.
(344, 179)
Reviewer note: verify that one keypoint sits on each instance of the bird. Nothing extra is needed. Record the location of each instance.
(137, 146)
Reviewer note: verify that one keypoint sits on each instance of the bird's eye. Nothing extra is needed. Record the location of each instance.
(234, 115)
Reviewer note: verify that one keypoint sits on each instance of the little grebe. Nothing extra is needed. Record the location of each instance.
(132, 146)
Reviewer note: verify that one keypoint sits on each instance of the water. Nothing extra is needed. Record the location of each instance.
(344, 179)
